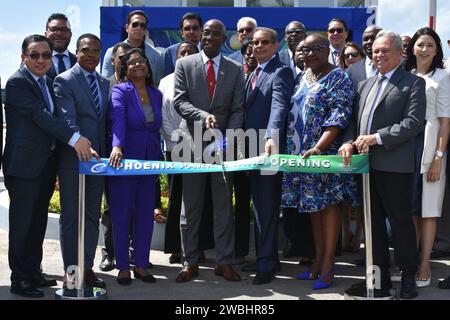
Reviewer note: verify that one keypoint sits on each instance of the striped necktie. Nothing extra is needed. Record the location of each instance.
(43, 87)
(94, 91)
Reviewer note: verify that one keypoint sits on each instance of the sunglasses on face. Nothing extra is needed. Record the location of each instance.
(334, 30)
(137, 62)
(193, 28)
(353, 54)
(295, 31)
(36, 56)
(139, 24)
(308, 50)
(91, 52)
(56, 29)
(262, 42)
(247, 30)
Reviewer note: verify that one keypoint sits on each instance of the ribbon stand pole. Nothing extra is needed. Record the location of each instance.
(80, 292)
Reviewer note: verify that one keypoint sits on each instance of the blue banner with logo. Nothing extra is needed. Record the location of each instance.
(284, 163)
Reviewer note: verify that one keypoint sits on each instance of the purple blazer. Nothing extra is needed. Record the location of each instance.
(129, 128)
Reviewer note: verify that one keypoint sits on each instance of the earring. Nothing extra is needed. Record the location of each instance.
(148, 75)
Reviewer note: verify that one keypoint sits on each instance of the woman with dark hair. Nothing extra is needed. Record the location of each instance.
(135, 122)
(425, 59)
(337, 35)
(249, 60)
(352, 53)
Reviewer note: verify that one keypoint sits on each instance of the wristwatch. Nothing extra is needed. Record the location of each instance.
(439, 154)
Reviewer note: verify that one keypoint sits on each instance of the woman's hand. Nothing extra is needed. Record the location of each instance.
(434, 173)
(115, 157)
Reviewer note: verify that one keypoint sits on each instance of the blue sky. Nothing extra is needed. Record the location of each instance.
(21, 18)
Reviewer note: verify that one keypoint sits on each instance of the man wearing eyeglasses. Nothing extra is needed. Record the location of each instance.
(364, 69)
(29, 162)
(59, 33)
(337, 35)
(268, 95)
(136, 28)
(245, 28)
(190, 29)
(294, 33)
(82, 100)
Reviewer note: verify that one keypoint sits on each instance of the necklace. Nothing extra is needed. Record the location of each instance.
(311, 77)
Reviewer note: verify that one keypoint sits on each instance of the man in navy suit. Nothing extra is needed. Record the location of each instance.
(245, 28)
(59, 33)
(294, 33)
(191, 30)
(29, 162)
(82, 99)
(268, 94)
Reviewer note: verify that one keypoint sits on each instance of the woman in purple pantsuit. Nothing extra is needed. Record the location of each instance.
(135, 122)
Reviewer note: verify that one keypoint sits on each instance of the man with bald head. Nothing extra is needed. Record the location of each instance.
(365, 69)
(294, 32)
(389, 112)
(209, 95)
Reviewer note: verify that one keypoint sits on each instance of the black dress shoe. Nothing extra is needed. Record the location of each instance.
(147, 278)
(124, 280)
(408, 289)
(107, 264)
(91, 280)
(263, 278)
(26, 289)
(444, 284)
(40, 282)
(249, 267)
(174, 258)
(358, 290)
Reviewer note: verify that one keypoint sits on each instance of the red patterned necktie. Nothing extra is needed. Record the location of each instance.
(211, 77)
(255, 78)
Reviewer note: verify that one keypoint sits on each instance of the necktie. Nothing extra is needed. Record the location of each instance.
(43, 87)
(336, 54)
(255, 78)
(211, 78)
(61, 64)
(94, 91)
(370, 104)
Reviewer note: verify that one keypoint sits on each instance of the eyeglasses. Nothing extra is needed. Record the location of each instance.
(295, 31)
(56, 29)
(247, 30)
(137, 62)
(353, 54)
(213, 34)
(193, 28)
(334, 30)
(139, 24)
(308, 50)
(262, 42)
(36, 56)
(91, 52)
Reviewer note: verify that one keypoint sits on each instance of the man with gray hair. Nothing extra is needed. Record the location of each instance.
(389, 112)
(245, 28)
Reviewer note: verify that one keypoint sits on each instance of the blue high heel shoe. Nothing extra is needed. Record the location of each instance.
(320, 284)
(306, 276)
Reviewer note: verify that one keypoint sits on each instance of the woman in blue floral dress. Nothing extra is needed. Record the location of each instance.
(322, 107)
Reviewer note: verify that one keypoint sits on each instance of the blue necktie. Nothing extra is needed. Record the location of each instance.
(43, 87)
(94, 91)
(61, 64)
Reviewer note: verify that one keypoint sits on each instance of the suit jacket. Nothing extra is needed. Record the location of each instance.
(51, 73)
(398, 118)
(284, 57)
(170, 59)
(76, 106)
(138, 139)
(31, 127)
(155, 58)
(237, 56)
(357, 72)
(192, 100)
(268, 105)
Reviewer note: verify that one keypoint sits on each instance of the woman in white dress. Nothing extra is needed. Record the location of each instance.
(425, 59)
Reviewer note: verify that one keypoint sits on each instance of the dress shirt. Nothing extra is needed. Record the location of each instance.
(377, 100)
(216, 60)
(86, 75)
(66, 60)
(370, 69)
(292, 65)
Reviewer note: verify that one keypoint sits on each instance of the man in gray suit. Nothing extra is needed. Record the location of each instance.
(389, 112)
(365, 69)
(82, 101)
(209, 93)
